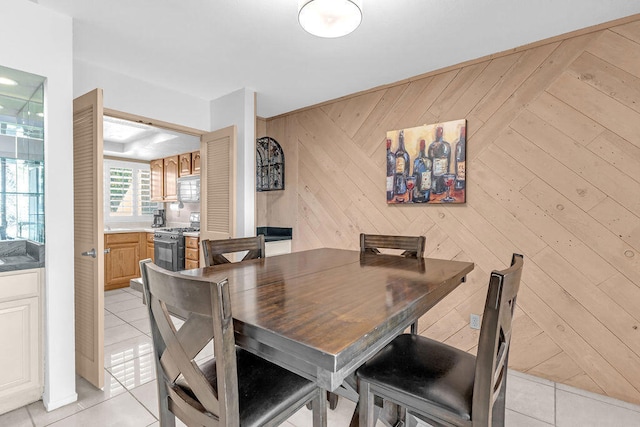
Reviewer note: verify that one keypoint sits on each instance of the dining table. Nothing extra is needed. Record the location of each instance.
(323, 312)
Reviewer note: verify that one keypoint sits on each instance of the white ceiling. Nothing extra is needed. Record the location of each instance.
(209, 48)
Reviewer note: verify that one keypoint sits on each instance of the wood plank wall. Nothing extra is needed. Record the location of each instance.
(553, 157)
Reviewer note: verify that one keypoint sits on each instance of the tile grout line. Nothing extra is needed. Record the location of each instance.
(555, 404)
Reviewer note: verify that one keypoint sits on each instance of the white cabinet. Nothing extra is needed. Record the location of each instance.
(21, 366)
(278, 247)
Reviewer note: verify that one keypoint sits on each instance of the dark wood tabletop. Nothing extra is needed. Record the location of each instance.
(324, 312)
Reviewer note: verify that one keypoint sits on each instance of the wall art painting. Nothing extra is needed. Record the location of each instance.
(426, 164)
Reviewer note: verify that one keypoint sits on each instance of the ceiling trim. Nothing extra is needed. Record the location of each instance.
(555, 39)
(152, 122)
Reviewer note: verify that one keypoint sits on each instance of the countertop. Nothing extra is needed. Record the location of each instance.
(21, 255)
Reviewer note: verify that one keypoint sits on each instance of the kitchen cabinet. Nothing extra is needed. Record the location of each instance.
(157, 180)
(195, 163)
(121, 262)
(165, 173)
(150, 247)
(191, 252)
(185, 164)
(277, 248)
(171, 178)
(21, 362)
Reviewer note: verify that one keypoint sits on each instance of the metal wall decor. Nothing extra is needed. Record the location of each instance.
(269, 165)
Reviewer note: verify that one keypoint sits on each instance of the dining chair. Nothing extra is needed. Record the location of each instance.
(213, 250)
(440, 384)
(413, 246)
(235, 388)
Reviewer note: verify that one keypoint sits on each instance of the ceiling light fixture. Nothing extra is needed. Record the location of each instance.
(329, 18)
(8, 82)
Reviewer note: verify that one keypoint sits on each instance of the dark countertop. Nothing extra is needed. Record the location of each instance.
(275, 234)
(21, 255)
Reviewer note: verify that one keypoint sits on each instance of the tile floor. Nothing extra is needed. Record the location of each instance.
(129, 395)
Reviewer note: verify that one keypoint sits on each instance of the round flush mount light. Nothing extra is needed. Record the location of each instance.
(329, 18)
(8, 82)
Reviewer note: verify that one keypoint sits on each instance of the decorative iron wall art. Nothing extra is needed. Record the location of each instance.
(427, 164)
(269, 165)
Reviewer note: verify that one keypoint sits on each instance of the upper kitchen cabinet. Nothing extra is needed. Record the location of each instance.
(157, 180)
(195, 163)
(189, 164)
(170, 178)
(185, 164)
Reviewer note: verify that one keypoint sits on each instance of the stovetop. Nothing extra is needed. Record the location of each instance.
(178, 230)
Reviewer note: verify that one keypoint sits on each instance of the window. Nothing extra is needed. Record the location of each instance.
(127, 191)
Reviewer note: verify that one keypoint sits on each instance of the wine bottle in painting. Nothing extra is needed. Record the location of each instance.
(402, 170)
(460, 160)
(391, 170)
(439, 152)
(422, 170)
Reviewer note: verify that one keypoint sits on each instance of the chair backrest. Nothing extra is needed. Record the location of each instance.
(413, 246)
(495, 336)
(209, 307)
(213, 250)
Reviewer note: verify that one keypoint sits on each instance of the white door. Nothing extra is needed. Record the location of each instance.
(89, 236)
(218, 184)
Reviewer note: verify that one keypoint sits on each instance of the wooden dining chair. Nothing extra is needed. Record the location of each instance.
(235, 388)
(214, 250)
(440, 384)
(413, 246)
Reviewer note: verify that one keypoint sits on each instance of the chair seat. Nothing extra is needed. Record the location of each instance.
(431, 372)
(264, 389)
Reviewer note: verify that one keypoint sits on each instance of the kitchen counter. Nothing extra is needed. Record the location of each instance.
(275, 234)
(21, 255)
(132, 230)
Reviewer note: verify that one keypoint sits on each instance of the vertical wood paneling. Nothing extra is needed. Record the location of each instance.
(554, 173)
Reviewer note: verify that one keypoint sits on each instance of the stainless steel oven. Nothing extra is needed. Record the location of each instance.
(168, 247)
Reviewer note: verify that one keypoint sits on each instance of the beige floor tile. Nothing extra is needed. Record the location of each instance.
(544, 381)
(114, 297)
(123, 351)
(147, 394)
(142, 325)
(88, 396)
(111, 320)
(531, 398)
(600, 397)
(574, 410)
(516, 419)
(134, 314)
(18, 418)
(121, 411)
(120, 333)
(135, 372)
(120, 306)
(341, 416)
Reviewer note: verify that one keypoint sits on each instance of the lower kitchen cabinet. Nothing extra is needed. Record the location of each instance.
(191, 252)
(21, 364)
(121, 262)
(278, 247)
(150, 247)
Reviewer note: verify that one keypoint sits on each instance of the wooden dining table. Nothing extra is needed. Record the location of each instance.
(324, 312)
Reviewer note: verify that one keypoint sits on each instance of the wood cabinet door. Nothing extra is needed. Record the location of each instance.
(150, 251)
(170, 178)
(195, 163)
(157, 180)
(122, 260)
(185, 164)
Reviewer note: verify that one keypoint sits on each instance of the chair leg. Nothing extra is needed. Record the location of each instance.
(365, 404)
(414, 328)
(319, 408)
(167, 418)
(333, 400)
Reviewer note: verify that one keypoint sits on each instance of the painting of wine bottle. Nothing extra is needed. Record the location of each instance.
(427, 164)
